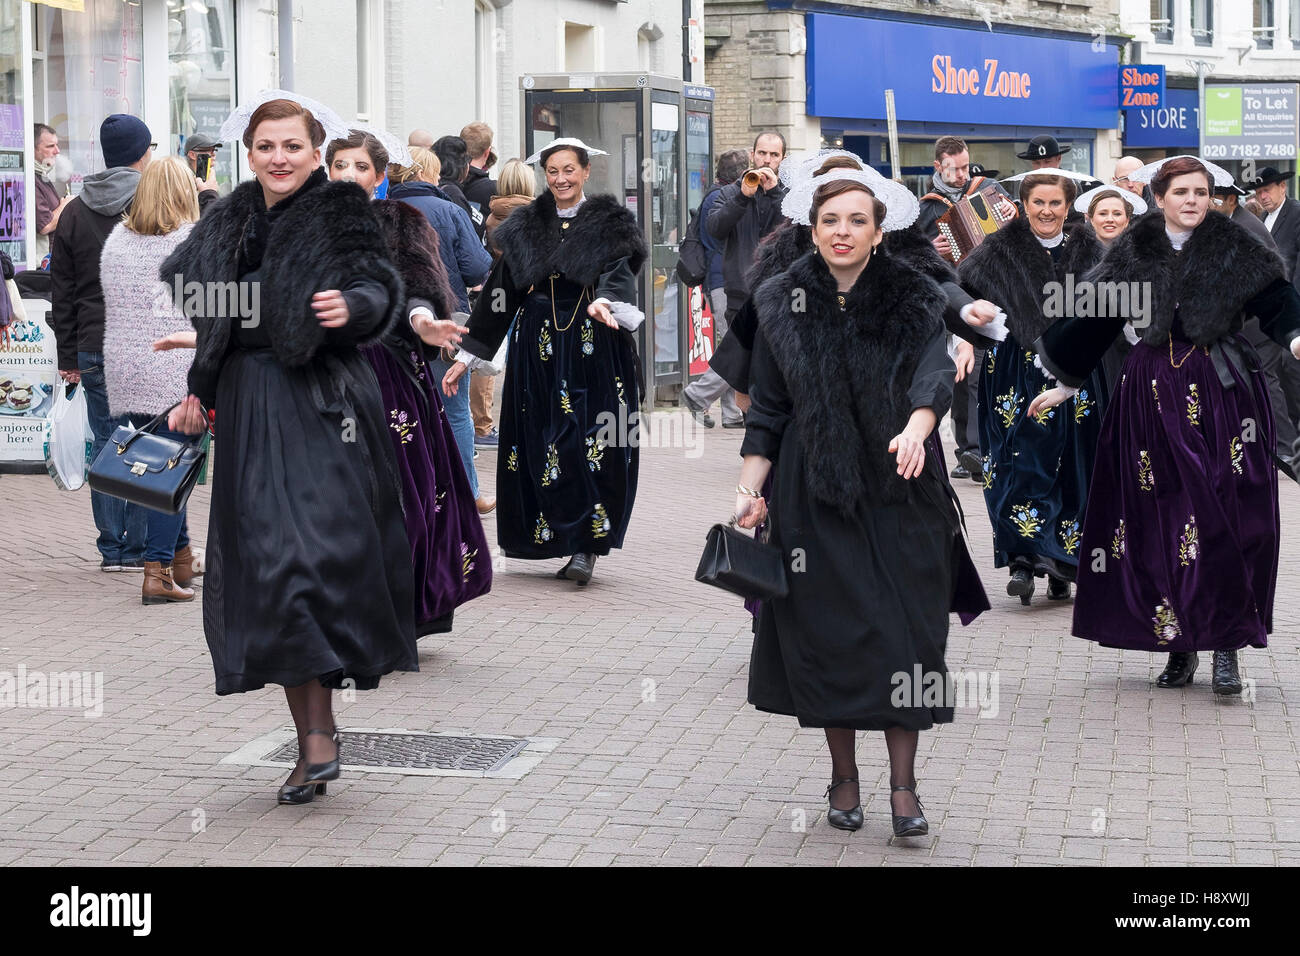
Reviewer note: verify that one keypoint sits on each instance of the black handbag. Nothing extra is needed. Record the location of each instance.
(741, 564)
(148, 470)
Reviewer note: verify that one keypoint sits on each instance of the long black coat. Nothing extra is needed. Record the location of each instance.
(1286, 233)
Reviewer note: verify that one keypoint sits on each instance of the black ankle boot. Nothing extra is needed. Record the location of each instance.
(1179, 670)
(580, 568)
(1058, 590)
(1022, 581)
(1225, 678)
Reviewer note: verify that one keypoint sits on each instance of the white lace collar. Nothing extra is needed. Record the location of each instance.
(572, 210)
(1177, 237)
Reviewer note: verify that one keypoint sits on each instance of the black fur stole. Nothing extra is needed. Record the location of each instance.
(413, 247)
(1220, 268)
(1012, 269)
(848, 371)
(327, 238)
(535, 243)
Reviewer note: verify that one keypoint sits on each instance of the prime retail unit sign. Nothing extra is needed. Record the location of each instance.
(946, 74)
(1251, 120)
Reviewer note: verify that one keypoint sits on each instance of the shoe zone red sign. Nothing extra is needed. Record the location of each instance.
(1141, 87)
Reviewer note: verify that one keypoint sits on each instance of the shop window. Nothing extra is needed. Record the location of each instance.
(1264, 24)
(1162, 20)
(1203, 22)
(1295, 24)
(201, 73)
(92, 68)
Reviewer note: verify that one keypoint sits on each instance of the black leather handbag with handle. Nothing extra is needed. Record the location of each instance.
(742, 564)
(147, 469)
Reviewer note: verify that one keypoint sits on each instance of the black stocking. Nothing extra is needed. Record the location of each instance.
(844, 764)
(310, 705)
(902, 769)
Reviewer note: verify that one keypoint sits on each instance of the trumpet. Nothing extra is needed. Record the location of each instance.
(753, 179)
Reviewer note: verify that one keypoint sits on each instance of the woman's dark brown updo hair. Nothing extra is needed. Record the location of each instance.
(1030, 183)
(359, 139)
(1178, 167)
(284, 109)
(583, 159)
(838, 187)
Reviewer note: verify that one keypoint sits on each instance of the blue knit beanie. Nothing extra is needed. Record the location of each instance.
(124, 139)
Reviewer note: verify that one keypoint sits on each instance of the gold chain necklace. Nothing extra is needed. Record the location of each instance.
(555, 322)
(1179, 364)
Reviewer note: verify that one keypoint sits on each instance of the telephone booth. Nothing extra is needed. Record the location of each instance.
(659, 136)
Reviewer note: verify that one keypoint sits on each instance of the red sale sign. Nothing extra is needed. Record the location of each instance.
(701, 331)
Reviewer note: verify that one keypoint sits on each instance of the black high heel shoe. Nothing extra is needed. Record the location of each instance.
(843, 819)
(299, 794)
(316, 772)
(908, 826)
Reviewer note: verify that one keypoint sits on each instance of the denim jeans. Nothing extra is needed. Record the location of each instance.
(121, 525)
(165, 534)
(462, 423)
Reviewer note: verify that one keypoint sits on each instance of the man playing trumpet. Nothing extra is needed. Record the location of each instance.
(744, 212)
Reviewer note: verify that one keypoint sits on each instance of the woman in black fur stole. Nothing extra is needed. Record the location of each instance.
(1181, 542)
(1036, 468)
(449, 551)
(567, 464)
(309, 572)
(850, 374)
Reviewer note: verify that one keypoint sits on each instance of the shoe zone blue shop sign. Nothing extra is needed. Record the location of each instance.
(945, 74)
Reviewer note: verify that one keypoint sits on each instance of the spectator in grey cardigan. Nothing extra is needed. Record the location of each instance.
(141, 382)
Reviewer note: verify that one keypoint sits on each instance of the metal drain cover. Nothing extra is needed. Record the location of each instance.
(458, 753)
(418, 751)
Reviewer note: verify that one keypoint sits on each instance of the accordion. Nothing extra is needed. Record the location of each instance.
(971, 220)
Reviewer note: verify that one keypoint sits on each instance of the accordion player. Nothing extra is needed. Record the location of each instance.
(972, 219)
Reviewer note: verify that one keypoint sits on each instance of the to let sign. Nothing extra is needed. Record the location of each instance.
(1251, 120)
(1141, 87)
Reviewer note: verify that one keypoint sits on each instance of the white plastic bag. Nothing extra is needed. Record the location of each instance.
(68, 438)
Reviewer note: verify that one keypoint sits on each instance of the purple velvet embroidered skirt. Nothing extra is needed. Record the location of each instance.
(1180, 542)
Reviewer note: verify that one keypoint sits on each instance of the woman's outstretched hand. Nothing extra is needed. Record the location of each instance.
(439, 333)
(331, 308)
(187, 417)
(1048, 399)
(450, 380)
(910, 448)
(750, 512)
(177, 340)
(599, 310)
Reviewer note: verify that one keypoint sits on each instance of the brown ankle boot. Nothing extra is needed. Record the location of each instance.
(183, 567)
(159, 588)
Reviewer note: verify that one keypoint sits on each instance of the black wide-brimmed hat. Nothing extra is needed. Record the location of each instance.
(1267, 176)
(1044, 147)
(1230, 190)
(977, 170)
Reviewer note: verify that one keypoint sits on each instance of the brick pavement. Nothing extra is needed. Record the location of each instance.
(1084, 763)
